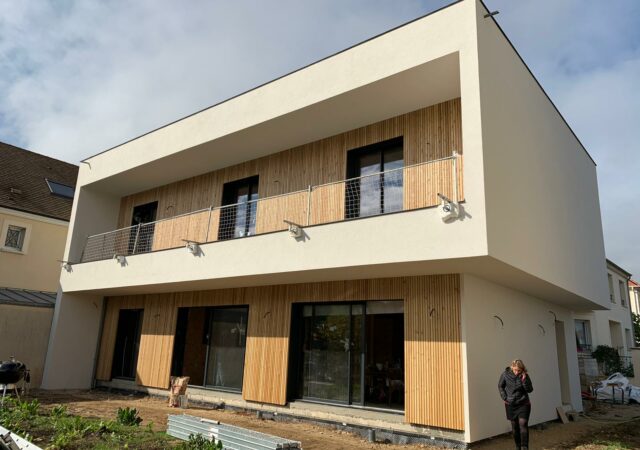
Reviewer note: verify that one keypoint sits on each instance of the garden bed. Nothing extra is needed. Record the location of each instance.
(55, 428)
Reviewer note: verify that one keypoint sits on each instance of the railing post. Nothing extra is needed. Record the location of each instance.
(309, 205)
(206, 238)
(455, 177)
(135, 242)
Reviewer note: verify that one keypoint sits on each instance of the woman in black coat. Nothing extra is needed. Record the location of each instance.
(514, 386)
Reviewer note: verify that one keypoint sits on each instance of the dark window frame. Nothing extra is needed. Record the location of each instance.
(176, 365)
(228, 213)
(296, 363)
(353, 173)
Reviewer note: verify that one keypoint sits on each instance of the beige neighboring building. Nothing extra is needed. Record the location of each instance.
(36, 195)
(289, 251)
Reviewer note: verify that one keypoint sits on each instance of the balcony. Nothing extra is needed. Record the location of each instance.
(408, 188)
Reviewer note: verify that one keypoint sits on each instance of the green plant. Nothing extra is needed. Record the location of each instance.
(128, 416)
(29, 409)
(610, 361)
(58, 411)
(199, 442)
(636, 327)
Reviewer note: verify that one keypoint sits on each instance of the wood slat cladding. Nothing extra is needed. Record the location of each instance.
(433, 366)
(430, 133)
(156, 340)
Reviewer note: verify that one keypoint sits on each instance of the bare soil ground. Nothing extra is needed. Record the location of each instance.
(606, 427)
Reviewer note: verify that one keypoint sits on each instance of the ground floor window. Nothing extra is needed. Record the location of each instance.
(583, 336)
(210, 346)
(348, 353)
(125, 354)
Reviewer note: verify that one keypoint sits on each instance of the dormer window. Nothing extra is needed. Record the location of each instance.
(60, 189)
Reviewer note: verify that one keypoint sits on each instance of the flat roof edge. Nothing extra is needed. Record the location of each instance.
(538, 83)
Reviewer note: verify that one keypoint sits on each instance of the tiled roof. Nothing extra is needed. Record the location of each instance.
(633, 284)
(22, 297)
(23, 185)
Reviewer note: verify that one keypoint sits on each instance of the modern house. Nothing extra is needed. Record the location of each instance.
(36, 194)
(368, 240)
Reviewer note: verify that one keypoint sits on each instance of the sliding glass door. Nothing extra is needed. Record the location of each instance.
(348, 353)
(327, 352)
(227, 342)
(210, 346)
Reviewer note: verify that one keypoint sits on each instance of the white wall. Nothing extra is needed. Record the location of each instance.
(617, 314)
(73, 342)
(383, 240)
(77, 319)
(490, 347)
(543, 211)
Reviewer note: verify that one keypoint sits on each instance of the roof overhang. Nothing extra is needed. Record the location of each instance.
(426, 84)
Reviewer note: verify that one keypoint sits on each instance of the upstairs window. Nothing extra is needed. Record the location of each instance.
(15, 237)
(239, 207)
(611, 295)
(61, 190)
(375, 179)
(623, 294)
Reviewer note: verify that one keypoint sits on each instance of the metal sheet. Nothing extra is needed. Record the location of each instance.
(232, 437)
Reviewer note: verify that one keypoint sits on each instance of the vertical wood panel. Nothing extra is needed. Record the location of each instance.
(267, 345)
(172, 233)
(433, 366)
(430, 133)
(108, 340)
(156, 341)
(272, 212)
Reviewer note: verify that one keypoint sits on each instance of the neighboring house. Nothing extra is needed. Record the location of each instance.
(228, 247)
(36, 194)
(634, 296)
(612, 327)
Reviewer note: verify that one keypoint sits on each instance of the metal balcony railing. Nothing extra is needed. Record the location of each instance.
(584, 349)
(407, 188)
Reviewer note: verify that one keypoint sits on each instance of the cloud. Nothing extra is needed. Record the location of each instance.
(586, 54)
(80, 77)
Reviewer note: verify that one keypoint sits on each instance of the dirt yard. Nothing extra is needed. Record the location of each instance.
(605, 428)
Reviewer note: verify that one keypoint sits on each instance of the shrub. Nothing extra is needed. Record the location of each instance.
(128, 416)
(611, 362)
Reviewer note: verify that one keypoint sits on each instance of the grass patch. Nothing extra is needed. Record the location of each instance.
(56, 429)
(613, 445)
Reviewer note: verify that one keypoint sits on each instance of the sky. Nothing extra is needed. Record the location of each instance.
(78, 77)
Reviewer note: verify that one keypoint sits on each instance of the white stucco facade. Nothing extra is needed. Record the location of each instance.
(502, 324)
(612, 327)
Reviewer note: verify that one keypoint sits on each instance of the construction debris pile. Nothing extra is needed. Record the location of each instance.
(616, 388)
